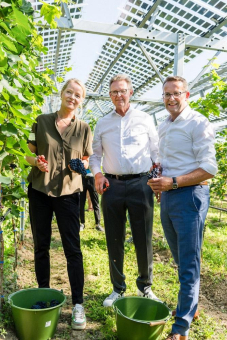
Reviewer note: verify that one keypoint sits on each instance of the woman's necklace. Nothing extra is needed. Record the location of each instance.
(67, 124)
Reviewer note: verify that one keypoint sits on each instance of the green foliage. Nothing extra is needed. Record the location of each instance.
(92, 123)
(213, 103)
(22, 88)
(50, 12)
(219, 182)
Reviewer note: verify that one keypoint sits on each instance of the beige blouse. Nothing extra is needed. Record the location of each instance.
(75, 142)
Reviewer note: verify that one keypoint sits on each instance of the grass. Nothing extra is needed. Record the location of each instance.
(165, 284)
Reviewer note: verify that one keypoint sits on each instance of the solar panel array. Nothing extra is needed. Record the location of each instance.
(50, 39)
(203, 18)
(198, 18)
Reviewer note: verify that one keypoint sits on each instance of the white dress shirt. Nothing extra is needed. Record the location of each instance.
(186, 144)
(127, 144)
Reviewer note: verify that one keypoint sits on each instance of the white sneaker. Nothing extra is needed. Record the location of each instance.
(149, 295)
(82, 227)
(78, 317)
(111, 298)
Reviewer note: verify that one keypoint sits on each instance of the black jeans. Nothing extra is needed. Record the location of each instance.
(66, 208)
(89, 184)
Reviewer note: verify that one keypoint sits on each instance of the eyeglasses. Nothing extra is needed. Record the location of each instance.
(116, 93)
(175, 94)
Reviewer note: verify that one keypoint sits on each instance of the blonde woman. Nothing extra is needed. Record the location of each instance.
(57, 138)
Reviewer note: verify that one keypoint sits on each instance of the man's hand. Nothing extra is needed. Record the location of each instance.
(160, 184)
(100, 180)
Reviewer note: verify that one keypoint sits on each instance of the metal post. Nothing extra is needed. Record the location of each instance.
(179, 55)
(22, 213)
(150, 60)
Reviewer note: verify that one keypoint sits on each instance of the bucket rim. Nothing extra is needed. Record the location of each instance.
(117, 310)
(35, 289)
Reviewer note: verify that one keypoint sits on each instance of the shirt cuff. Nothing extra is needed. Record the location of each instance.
(210, 168)
(95, 170)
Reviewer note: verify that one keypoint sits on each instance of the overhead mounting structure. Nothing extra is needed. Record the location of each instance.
(150, 40)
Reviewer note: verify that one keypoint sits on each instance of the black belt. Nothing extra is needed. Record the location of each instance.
(126, 177)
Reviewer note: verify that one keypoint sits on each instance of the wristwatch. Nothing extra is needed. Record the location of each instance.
(175, 185)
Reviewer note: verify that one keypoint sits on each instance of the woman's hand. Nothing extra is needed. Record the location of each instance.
(41, 163)
(85, 160)
(85, 163)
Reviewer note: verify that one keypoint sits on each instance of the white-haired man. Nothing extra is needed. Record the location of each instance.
(127, 141)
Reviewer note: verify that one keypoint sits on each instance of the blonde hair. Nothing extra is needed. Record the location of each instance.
(122, 76)
(77, 81)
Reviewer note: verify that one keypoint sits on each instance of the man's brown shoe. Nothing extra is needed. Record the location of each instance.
(195, 317)
(172, 336)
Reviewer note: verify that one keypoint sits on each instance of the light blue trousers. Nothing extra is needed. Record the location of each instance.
(183, 214)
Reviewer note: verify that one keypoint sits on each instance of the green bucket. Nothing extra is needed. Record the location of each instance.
(35, 324)
(140, 318)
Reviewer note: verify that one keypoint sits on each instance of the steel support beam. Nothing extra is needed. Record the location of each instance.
(143, 22)
(155, 120)
(202, 93)
(126, 45)
(57, 51)
(195, 81)
(150, 60)
(179, 55)
(129, 32)
(66, 12)
(170, 64)
(153, 18)
(99, 107)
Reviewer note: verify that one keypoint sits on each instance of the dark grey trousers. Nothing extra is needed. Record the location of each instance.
(136, 197)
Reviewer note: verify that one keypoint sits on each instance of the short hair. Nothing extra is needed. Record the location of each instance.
(77, 81)
(176, 78)
(121, 76)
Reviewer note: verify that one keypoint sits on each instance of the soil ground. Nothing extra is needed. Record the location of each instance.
(213, 298)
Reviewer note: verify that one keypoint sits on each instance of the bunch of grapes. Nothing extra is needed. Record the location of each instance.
(54, 303)
(155, 172)
(43, 305)
(39, 305)
(78, 166)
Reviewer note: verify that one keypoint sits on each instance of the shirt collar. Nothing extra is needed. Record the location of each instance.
(182, 116)
(127, 112)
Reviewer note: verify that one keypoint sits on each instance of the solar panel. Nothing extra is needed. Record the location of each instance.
(198, 18)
